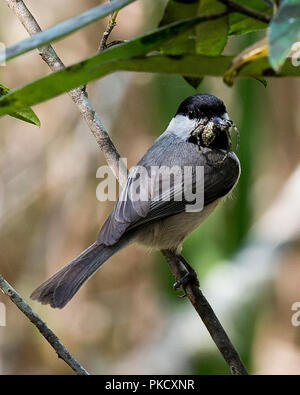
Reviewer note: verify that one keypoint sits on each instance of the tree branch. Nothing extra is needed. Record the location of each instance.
(109, 28)
(78, 96)
(234, 6)
(63, 28)
(206, 314)
(112, 157)
(103, 43)
(46, 332)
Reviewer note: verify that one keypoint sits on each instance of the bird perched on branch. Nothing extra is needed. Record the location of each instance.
(177, 184)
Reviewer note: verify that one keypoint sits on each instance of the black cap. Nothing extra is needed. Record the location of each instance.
(201, 105)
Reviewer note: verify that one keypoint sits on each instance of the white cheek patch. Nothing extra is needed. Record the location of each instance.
(225, 116)
(182, 126)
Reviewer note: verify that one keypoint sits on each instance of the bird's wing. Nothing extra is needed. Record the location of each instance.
(167, 200)
(126, 212)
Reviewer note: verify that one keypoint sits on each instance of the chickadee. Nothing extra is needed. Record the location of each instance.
(198, 136)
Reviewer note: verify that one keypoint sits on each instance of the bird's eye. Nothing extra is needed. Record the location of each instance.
(191, 114)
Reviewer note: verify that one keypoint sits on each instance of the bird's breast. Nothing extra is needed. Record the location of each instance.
(170, 232)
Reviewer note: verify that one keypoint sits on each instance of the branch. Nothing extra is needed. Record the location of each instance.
(246, 11)
(78, 96)
(112, 157)
(109, 28)
(54, 341)
(61, 29)
(103, 43)
(206, 314)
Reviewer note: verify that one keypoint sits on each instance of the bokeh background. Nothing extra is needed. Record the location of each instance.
(127, 319)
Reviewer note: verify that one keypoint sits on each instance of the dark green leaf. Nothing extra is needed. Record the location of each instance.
(211, 36)
(240, 24)
(174, 12)
(263, 81)
(284, 31)
(194, 66)
(185, 43)
(208, 38)
(25, 114)
(194, 82)
(89, 70)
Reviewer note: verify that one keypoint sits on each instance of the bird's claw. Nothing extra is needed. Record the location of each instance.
(183, 281)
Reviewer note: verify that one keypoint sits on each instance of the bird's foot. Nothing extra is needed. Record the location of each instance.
(188, 278)
(191, 271)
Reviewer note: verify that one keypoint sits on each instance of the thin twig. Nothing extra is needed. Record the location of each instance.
(109, 28)
(78, 96)
(207, 315)
(103, 43)
(63, 28)
(54, 341)
(246, 11)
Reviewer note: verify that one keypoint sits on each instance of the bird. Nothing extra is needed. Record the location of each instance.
(160, 215)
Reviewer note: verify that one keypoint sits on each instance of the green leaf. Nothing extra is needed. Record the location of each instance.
(263, 81)
(207, 38)
(283, 32)
(193, 81)
(177, 10)
(88, 70)
(240, 24)
(25, 114)
(211, 36)
(188, 65)
(62, 29)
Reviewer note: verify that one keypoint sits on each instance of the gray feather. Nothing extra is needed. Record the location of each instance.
(62, 286)
(218, 181)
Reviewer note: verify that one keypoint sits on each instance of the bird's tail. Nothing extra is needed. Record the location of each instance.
(62, 286)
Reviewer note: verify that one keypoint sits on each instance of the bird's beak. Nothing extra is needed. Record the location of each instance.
(221, 123)
(224, 124)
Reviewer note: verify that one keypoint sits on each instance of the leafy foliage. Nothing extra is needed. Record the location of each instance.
(211, 36)
(191, 37)
(208, 38)
(26, 114)
(240, 24)
(95, 67)
(175, 11)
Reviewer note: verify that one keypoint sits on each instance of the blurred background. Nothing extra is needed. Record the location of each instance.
(127, 319)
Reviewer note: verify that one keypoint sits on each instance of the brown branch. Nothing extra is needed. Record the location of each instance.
(45, 331)
(193, 292)
(78, 96)
(103, 43)
(206, 314)
(109, 28)
(234, 6)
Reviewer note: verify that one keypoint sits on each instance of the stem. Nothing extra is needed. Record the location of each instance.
(46, 332)
(109, 28)
(246, 11)
(78, 96)
(207, 315)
